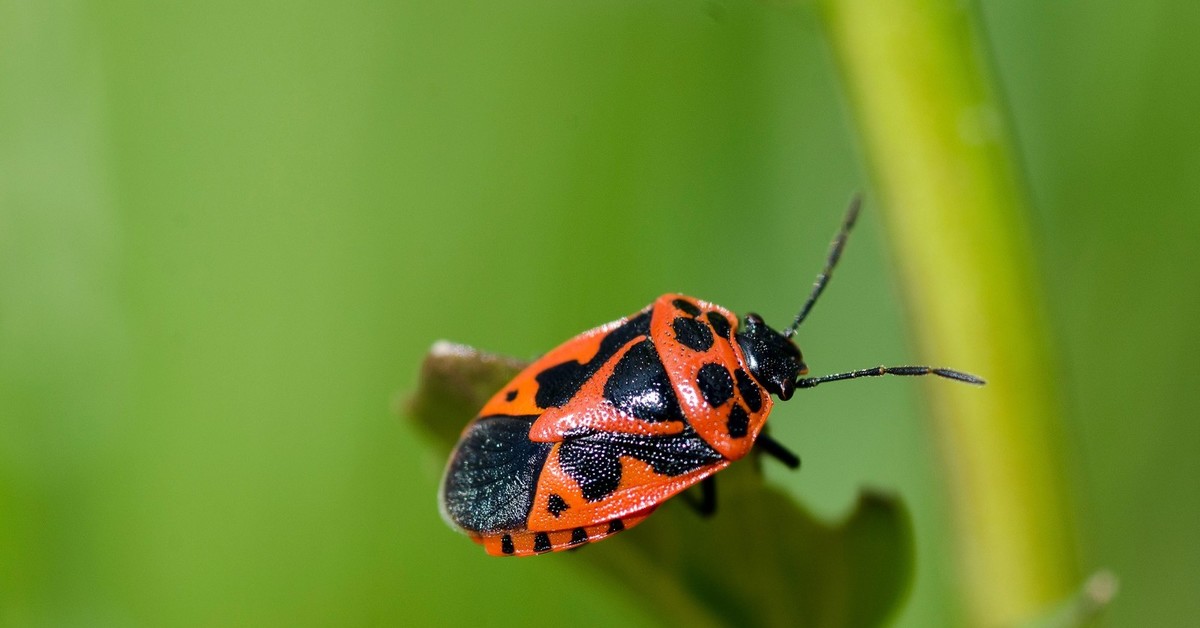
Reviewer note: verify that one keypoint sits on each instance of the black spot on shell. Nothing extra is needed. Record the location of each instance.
(686, 306)
(639, 386)
(596, 470)
(715, 384)
(751, 393)
(578, 536)
(510, 395)
(558, 384)
(541, 542)
(738, 422)
(593, 458)
(556, 505)
(719, 323)
(616, 525)
(506, 544)
(692, 333)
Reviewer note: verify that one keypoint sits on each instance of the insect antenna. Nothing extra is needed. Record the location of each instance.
(809, 382)
(835, 253)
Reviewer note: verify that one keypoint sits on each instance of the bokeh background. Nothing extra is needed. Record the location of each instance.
(229, 231)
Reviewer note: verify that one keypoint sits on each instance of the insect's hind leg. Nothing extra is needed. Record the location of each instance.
(706, 504)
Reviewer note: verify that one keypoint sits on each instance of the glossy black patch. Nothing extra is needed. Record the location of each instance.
(692, 333)
(719, 323)
(715, 384)
(686, 306)
(506, 544)
(510, 395)
(556, 505)
(772, 359)
(615, 526)
(592, 458)
(751, 393)
(492, 476)
(578, 536)
(541, 542)
(559, 383)
(739, 421)
(639, 385)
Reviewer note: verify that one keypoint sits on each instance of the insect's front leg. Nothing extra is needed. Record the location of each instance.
(772, 448)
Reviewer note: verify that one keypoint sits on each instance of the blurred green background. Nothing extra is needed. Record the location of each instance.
(228, 233)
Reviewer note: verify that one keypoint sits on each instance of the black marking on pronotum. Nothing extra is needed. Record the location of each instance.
(578, 536)
(510, 395)
(719, 323)
(715, 384)
(541, 542)
(639, 386)
(686, 306)
(751, 393)
(593, 458)
(738, 422)
(615, 526)
(556, 505)
(559, 383)
(492, 477)
(506, 544)
(692, 333)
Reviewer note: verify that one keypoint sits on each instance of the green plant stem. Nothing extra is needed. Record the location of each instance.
(934, 135)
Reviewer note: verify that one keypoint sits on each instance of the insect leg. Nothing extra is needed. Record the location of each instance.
(772, 448)
(706, 505)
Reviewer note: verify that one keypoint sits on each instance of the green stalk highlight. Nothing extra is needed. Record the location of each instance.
(934, 134)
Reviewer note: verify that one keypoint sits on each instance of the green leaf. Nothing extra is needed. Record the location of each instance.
(456, 380)
(760, 560)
